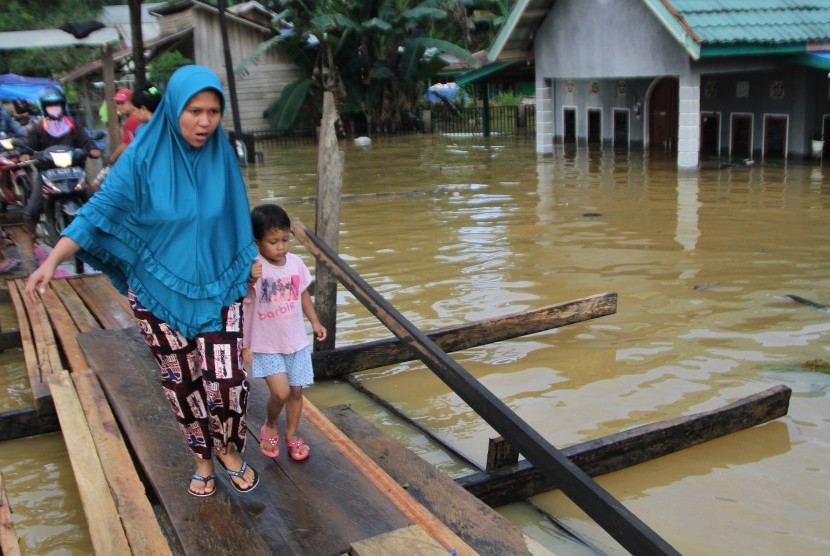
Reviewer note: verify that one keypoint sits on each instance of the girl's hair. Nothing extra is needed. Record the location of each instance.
(149, 98)
(265, 217)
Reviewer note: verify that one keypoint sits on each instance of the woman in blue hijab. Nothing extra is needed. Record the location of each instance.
(172, 229)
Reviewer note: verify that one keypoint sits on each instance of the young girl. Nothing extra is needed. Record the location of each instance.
(274, 338)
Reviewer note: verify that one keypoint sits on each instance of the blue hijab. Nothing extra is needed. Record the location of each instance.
(172, 221)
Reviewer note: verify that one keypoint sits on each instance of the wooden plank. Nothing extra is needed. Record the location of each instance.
(64, 327)
(10, 339)
(628, 448)
(488, 532)
(135, 396)
(410, 507)
(80, 313)
(379, 353)
(357, 512)
(20, 423)
(40, 390)
(106, 533)
(319, 506)
(412, 541)
(604, 509)
(9, 544)
(111, 309)
(500, 454)
(140, 523)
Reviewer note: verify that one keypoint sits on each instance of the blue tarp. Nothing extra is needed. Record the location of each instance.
(449, 91)
(13, 87)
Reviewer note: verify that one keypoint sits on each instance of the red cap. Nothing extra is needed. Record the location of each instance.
(123, 95)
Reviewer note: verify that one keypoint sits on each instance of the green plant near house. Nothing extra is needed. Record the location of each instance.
(509, 98)
(165, 65)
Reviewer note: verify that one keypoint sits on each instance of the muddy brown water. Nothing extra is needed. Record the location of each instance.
(702, 263)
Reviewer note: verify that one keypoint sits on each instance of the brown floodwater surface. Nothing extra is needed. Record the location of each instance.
(702, 263)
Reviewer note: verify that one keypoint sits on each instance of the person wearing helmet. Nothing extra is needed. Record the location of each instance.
(56, 128)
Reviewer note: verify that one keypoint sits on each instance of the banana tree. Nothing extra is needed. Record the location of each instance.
(375, 57)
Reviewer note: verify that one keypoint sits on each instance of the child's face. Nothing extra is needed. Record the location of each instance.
(274, 245)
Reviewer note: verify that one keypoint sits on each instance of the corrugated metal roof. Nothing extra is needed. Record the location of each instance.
(726, 22)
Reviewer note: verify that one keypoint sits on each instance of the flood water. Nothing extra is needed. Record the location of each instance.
(702, 263)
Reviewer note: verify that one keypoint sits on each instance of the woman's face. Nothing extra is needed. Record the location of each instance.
(200, 117)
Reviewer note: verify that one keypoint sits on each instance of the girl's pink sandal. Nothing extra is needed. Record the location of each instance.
(273, 442)
(295, 449)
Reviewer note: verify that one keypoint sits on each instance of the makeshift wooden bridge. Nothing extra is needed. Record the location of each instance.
(128, 455)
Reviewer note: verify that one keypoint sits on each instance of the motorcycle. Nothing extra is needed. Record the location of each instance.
(64, 189)
(15, 180)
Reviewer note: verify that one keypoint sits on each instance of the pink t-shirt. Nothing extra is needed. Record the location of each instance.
(273, 312)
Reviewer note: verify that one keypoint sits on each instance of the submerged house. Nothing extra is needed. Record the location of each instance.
(743, 79)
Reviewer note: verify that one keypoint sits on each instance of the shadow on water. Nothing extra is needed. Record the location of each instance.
(470, 228)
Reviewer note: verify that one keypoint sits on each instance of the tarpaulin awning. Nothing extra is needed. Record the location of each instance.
(13, 87)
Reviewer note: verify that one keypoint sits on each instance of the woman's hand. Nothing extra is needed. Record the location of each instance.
(38, 282)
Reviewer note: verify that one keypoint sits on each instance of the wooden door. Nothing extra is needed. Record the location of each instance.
(662, 115)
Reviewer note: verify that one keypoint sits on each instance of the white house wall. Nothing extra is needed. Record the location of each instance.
(621, 41)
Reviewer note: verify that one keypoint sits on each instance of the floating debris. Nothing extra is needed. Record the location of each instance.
(699, 287)
(819, 365)
(809, 302)
(592, 214)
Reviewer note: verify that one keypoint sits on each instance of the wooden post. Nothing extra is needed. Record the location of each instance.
(108, 71)
(329, 189)
(500, 454)
(634, 535)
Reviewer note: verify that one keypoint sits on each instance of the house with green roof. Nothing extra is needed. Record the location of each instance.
(743, 79)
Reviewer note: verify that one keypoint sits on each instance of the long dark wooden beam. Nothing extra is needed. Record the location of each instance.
(20, 423)
(379, 353)
(619, 522)
(618, 451)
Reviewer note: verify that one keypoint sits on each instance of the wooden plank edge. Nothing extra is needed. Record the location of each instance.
(619, 451)
(140, 524)
(9, 543)
(40, 390)
(413, 510)
(65, 330)
(105, 527)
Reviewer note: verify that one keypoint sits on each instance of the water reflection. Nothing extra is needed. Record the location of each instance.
(701, 262)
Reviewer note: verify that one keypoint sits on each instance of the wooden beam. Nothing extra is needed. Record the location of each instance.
(20, 423)
(40, 390)
(628, 448)
(410, 507)
(110, 308)
(128, 492)
(330, 162)
(9, 544)
(604, 509)
(379, 353)
(10, 339)
(105, 528)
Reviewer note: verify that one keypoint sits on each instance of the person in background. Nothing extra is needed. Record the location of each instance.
(275, 342)
(56, 128)
(145, 102)
(9, 126)
(123, 103)
(172, 231)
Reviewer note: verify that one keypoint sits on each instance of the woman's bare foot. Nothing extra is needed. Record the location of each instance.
(206, 487)
(232, 461)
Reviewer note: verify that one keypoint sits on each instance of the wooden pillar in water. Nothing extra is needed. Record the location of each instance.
(329, 188)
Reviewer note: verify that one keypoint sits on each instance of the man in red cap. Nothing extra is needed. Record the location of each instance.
(123, 103)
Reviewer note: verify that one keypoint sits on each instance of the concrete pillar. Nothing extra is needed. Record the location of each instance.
(544, 117)
(688, 122)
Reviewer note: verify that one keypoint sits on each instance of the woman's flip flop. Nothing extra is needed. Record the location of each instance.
(295, 449)
(197, 477)
(240, 474)
(272, 443)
